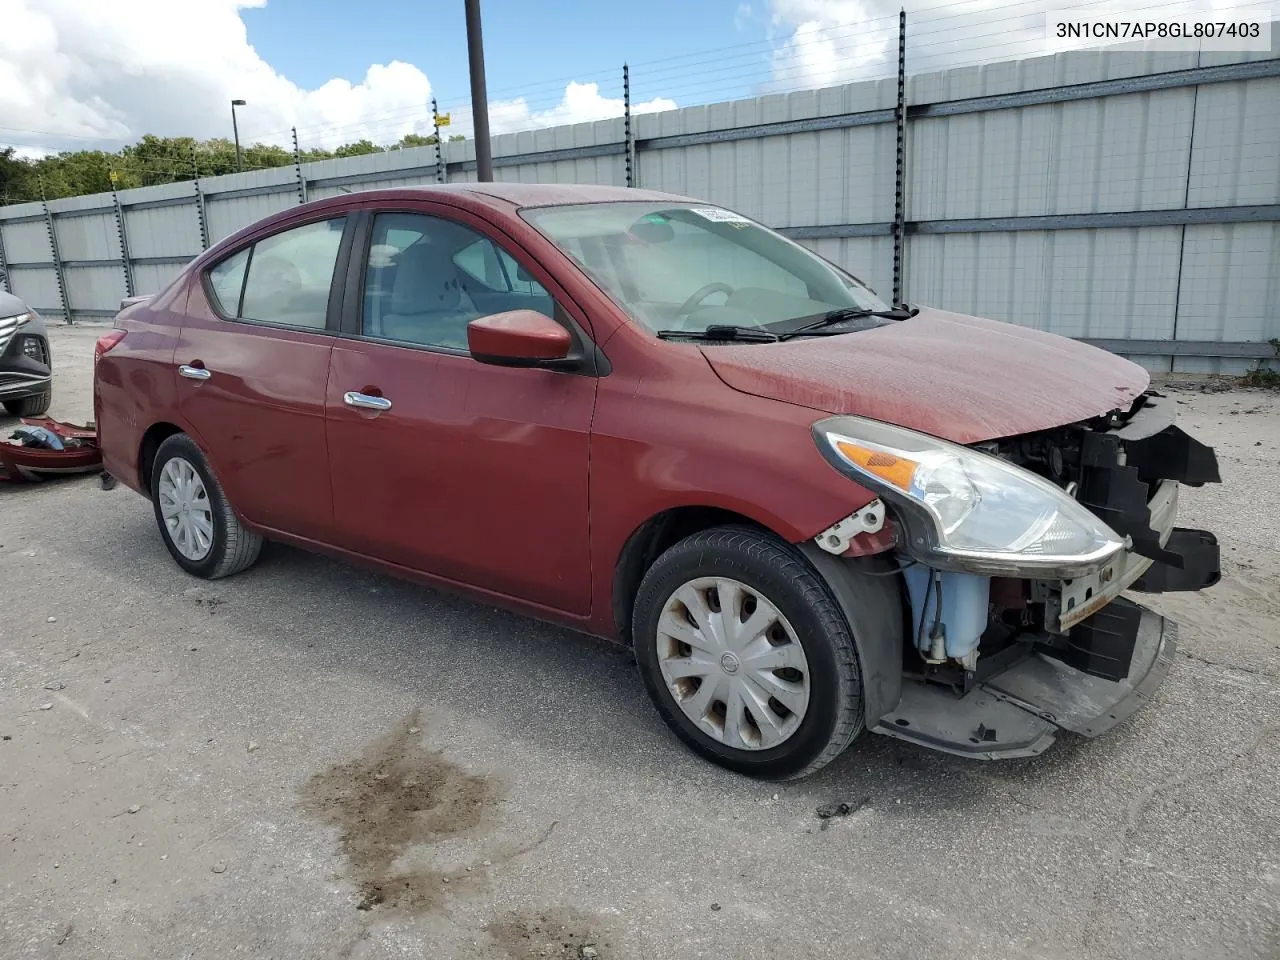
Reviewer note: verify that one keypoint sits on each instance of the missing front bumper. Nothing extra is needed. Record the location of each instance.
(1020, 711)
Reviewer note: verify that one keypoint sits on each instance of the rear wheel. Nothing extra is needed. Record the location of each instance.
(34, 406)
(198, 525)
(746, 654)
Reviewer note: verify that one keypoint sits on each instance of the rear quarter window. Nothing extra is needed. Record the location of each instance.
(226, 280)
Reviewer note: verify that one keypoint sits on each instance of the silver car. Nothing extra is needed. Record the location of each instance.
(26, 365)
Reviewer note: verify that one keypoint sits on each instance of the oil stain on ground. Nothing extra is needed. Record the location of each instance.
(556, 934)
(393, 797)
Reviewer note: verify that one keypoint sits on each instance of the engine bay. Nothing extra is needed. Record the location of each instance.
(1126, 468)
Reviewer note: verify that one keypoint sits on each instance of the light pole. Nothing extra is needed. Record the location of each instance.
(235, 129)
(479, 98)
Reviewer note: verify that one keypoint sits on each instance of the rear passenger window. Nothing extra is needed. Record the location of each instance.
(290, 275)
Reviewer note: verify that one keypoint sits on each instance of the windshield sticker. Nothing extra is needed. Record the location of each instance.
(717, 215)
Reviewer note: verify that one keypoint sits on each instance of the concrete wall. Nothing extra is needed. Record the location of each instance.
(1126, 197)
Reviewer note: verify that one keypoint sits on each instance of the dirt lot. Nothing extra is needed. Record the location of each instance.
(313, 761)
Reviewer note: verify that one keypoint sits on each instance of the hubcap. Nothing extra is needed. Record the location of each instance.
(185, 509)
(733, 663)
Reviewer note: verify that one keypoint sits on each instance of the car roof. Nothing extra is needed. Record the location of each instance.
(542, 194)
(507, 197)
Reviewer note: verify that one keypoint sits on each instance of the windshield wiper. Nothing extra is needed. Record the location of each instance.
(723, 332)
(833, 317)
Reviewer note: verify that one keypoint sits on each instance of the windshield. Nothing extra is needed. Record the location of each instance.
(688, 267)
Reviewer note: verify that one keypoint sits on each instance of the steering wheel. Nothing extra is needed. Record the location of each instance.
(701, 294)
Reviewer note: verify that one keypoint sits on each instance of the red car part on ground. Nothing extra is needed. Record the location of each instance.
(26, 464)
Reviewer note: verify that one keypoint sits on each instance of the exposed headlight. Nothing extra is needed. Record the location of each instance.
(965, 510)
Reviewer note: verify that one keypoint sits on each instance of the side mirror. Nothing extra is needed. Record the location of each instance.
(519, 338)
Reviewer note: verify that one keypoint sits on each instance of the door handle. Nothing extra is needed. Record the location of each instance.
(194, 373)
(365, 402)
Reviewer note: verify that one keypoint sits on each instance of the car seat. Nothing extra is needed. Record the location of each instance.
(427, 304)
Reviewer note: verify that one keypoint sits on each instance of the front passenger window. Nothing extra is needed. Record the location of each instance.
(290, 275)
(428, 277)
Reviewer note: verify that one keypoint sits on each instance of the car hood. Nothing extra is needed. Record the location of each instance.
(10, 305)
(960, 378)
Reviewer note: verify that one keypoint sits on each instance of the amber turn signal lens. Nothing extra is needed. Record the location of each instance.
(892, 469)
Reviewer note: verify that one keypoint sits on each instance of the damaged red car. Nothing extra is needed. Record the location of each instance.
(810, 511)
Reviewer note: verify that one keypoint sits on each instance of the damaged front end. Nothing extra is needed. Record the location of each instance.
(1008, 647)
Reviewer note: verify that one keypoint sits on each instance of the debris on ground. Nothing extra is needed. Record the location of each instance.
(553, 934)
(842, 809)
(42, 448)
(1215, 383)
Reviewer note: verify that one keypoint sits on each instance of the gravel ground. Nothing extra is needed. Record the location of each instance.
(228, 769)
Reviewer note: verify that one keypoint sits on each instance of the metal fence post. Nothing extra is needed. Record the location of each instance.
(441, 174)
(5, 282)
(900, 171)
(297, 167)
(57, 258)
(126, 261)
(201, 219)
(628, 135)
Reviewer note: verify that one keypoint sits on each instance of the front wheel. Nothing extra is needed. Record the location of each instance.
(202, 532)
(746, 654)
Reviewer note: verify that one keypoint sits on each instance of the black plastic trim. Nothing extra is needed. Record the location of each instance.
(873, 607)
(1102, 646)
(1201, 565)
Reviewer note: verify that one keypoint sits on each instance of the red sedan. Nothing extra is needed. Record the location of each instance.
(811, 512)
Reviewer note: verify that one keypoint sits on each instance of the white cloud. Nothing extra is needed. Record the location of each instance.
(581, 101)
(822, 42)
(78, 74)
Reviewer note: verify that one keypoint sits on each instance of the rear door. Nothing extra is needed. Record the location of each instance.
(252, 361)
(475, 473)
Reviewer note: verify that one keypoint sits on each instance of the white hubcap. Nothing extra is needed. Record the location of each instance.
(733, 663)
(185, 509)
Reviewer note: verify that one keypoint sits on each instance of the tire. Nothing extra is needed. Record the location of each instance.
(36, 405)
(230, 547)
(778, 575)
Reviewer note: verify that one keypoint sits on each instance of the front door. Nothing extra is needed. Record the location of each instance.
(472, 472)
(253, 359)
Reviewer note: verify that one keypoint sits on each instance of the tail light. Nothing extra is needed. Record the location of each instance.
(106, 343)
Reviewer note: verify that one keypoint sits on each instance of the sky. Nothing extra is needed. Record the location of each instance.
(78, 74)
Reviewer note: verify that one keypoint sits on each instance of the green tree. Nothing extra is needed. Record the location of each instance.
(415, 140)
(155, 160)
(358, 149)
(16, 178)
